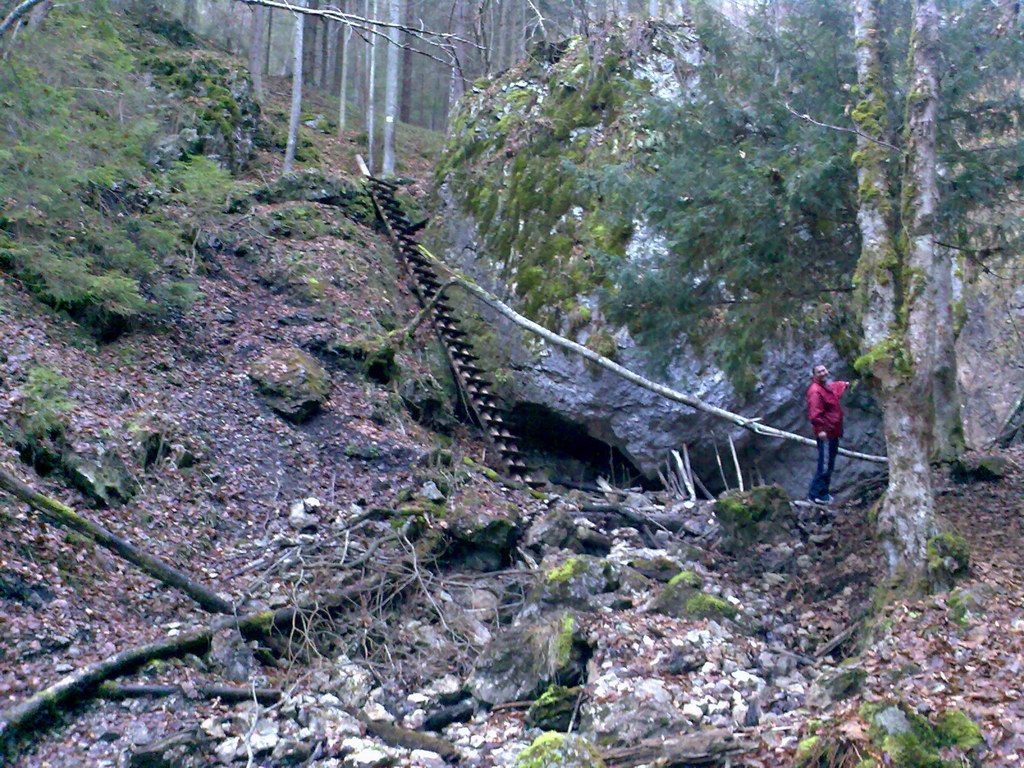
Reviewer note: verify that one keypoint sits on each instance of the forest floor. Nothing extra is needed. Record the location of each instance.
(65, 603)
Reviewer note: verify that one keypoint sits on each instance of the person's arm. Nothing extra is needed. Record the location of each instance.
(839, 387)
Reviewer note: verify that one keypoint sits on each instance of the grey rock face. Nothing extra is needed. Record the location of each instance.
(646, 427)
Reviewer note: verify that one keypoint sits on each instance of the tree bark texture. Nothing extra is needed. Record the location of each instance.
(58, 514)
(895, 296)
(257, 33)
(296, 108)
(371, 91)
(391, 90)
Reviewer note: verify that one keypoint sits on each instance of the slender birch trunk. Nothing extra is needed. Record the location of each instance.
(256, 30)
(346, 47)
(270, 39)
(296, 110)
(391, 91)
(371, 96)
(894, 289)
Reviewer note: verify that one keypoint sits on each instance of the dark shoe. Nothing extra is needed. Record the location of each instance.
(826, 499)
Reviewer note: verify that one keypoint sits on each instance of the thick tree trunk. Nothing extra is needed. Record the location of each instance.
(391, 91)
(896, 295)
(296, 109)
(58, 514)
(256, 35)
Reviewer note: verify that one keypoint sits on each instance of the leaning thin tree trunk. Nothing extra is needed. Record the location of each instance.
(256, 35)
(58, 514)
(371, 96)
(296, 110)
(17, 13)
(346, 53)
(391, 90)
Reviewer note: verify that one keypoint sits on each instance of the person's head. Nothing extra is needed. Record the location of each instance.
(820, 373)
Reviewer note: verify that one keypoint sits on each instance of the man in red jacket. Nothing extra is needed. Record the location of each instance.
(826, 417)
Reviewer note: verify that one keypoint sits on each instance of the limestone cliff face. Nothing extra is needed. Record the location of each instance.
(520, 218)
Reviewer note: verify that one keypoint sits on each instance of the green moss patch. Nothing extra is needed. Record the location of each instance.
(557, 750)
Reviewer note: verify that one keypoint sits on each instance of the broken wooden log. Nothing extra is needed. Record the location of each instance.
(226, 693)
(83, 684)
(712, 746)
(55, 513)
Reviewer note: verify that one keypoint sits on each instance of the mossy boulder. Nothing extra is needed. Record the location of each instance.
(964, 602)
(576, 582)
(554, 708)
(293, 383)
(100, 474)
(758, 515)
(316, 187)
(482, 538)
(948, 558)
(524, 660)
(909, 740)
(559, 750)
(682, 598)
(225, 115)
(980, 468)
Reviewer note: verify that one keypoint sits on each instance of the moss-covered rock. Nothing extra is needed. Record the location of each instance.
(682, 598)
(554, 708)
(752, 516)
(294, 383)
(980, 468)
(948, 558)
(558, 750)
(524, 660)
(909, 740)
(574, 582)
(317, 187)
(482, 538)
(225, 116)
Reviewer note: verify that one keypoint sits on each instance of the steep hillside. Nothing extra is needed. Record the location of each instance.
(282, 433)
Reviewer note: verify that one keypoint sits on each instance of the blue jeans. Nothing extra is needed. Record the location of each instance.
(822, 478)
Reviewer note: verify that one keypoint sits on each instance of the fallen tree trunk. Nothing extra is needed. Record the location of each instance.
(227, 693)
(752, 424)
(713, 746)
(55, 513)
(85, 683)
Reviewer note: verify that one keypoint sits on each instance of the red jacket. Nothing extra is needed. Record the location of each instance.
(823, 408)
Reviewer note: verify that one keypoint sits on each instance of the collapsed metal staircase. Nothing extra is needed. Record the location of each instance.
(477, 390)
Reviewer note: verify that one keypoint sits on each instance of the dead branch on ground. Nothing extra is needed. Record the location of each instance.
(55, 513)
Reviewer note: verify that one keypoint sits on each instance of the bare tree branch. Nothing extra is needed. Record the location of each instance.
(810, 119)
(16, 14)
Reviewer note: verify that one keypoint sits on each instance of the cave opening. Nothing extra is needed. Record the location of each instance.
(570, 456)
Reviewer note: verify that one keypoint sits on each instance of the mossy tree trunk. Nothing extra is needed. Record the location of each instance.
(896, 287)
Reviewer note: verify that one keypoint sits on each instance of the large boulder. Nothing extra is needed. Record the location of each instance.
(499, 163)
(524, 660)
(759, 515)
(293, 383)
(317, 187)
(631, 711)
